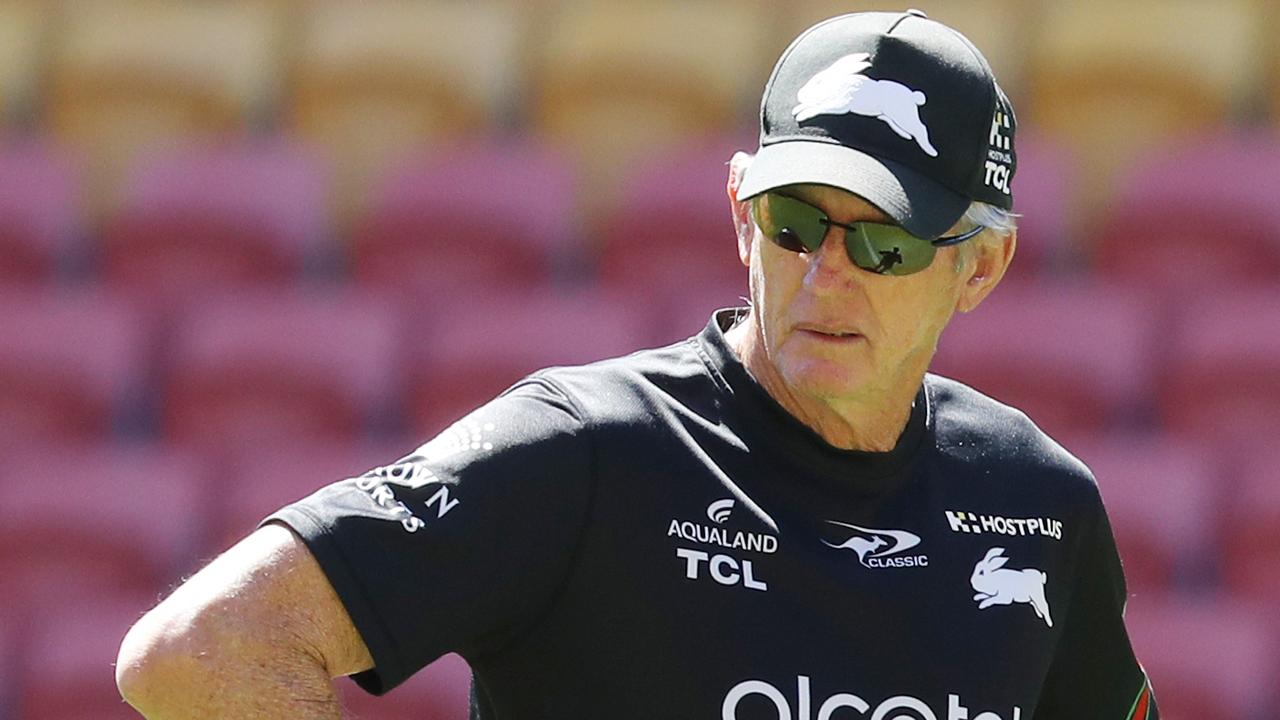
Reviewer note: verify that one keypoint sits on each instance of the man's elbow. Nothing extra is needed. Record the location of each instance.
(156, 664)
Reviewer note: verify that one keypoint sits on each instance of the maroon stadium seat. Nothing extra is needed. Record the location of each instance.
(216, 216)
(672, 228)
(11, 625)
(261, 479)
(272, 366)
(681, 312)
(1207, 660)
(1251, 543)
(1073, 356)
(78, 520)
(69, 662)
(468, 218)
(476, 347)
(1163, 496)
(71, 363)
(1170, 229)
(440, 691)
(1221, 361)
(1044, 188)
(39, 212)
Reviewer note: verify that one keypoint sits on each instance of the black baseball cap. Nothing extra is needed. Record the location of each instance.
(896, 108)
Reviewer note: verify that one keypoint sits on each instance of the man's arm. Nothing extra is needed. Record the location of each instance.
(257, 633)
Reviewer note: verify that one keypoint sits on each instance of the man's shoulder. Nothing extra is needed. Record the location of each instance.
(973, 426)
(622, 387)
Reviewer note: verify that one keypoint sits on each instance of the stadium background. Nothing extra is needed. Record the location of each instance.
(247, 248)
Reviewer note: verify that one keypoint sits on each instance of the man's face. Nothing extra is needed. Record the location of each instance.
(832, 331)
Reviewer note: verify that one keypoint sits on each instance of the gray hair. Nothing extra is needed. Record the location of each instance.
(999, 223)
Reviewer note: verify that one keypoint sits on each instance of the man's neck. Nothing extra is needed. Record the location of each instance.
(871, 422)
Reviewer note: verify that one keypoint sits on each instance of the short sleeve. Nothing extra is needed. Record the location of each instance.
(1094, 673)
(461, 545)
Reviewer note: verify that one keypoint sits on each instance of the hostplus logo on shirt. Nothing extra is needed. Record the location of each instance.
(879, 548)
(967, 522)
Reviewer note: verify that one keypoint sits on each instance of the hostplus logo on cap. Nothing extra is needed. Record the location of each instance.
(998, 165)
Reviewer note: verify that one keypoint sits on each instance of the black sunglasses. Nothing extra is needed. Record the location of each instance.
(876, 247)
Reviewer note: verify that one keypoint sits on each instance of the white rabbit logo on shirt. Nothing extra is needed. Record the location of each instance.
(997, 585)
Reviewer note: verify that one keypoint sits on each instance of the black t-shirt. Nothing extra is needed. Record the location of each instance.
(653, 536)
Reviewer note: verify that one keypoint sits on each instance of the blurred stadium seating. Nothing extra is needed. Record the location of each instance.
(1073, 354)
(1251, 532)
(68, 663)
(614, 82)
(249, 247)
(1207, 660)
(1112, 91)
(41, 236)
(372, 81)
(477, 347)
(203, 218)
(1160, 496)
(434, 227)
(1220, 378)
(671, 227)
(274, 366)
(24, 30)
(77, 521)
(128, 78)
(1175, 221)
(74, 363)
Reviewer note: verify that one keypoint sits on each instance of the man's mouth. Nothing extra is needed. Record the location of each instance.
(830, 334)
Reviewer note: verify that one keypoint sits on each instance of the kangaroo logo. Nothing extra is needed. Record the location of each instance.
(872, 544)
(996, 585)
(842, 88)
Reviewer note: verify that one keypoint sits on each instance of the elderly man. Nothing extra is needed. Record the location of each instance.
(783, 517)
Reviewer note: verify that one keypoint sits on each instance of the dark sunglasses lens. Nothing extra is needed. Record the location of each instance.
(888, 249)
(789, 223)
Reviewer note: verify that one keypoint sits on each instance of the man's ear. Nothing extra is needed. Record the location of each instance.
(985, 269)
(741, 211)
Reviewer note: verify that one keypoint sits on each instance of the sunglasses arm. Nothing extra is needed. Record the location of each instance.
(946, 240)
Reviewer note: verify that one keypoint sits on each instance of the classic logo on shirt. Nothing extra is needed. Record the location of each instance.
(898, 707)
(997, 585)
(879, 548)
(967, 522)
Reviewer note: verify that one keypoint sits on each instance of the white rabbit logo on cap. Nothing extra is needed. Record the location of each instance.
(842, 88)
(996, 585)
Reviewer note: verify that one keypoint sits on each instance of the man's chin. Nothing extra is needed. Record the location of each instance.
(824, 380)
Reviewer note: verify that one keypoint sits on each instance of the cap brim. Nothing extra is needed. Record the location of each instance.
(921, 206)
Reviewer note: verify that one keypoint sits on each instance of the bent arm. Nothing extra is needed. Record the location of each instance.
(257, 633)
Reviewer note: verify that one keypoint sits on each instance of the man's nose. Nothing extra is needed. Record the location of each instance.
(829, 267)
